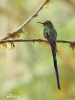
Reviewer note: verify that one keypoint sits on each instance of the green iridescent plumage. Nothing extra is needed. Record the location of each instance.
(50, 34)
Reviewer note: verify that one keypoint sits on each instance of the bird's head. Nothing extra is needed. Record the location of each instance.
(47, 24)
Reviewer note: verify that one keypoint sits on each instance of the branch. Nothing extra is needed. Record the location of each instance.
(3, 43)
(34, 15)
(19, 29)
(36, 40)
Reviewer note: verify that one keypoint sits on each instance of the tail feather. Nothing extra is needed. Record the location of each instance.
(56, 69)
(53, 47)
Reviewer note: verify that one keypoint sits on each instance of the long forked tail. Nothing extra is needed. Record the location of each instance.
(53, 47)
(56, 69)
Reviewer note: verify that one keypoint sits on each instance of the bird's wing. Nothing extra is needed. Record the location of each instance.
(51, 42)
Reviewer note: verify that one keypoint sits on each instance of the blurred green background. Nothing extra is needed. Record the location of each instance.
(27, 71)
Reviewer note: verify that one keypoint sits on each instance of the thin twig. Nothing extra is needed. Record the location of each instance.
(36, 40)
(29, 19)
(18, 31)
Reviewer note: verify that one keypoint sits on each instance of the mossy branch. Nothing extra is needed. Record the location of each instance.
(36, 40)
(3, 43)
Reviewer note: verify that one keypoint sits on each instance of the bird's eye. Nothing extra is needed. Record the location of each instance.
(45, 23)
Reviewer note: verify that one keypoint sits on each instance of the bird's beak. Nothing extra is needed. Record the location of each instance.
(40, 22)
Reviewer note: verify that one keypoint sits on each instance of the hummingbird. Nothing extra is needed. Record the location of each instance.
(50, 34)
